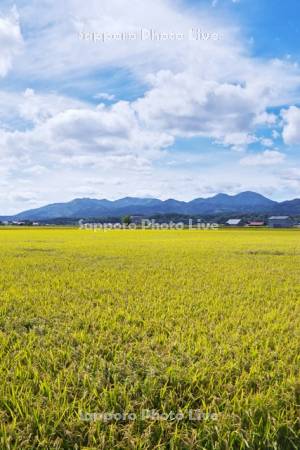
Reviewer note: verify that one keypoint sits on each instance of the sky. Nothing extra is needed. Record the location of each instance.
(168, 99)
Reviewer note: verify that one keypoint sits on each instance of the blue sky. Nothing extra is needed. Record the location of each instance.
(163, 116)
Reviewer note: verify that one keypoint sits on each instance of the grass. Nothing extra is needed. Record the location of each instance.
(126, 321)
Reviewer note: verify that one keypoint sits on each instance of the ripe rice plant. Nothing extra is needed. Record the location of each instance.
(106, 336)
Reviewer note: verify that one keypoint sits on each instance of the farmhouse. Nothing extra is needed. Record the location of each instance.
(234, 223)
(18, 223)
(256, 224)
(280, 222)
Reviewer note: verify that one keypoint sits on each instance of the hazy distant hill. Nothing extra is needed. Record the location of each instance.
(245, 202)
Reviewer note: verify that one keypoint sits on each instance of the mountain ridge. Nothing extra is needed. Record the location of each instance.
(242, 203)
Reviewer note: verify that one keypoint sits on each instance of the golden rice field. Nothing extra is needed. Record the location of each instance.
(96, 326)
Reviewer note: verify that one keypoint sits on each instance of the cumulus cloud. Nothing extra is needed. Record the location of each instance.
(267, 142)
(186, 106)
(193, 88)
(104, 96)
(37, 108)
(291, 128)
(195, 103)
(266, 158)
(11, 40)
(23, 110)
(65, 132)
(185, 89)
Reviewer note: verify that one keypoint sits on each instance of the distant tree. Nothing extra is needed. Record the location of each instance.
(126, 220)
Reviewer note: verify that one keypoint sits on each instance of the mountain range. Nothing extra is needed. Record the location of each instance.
(84, 208)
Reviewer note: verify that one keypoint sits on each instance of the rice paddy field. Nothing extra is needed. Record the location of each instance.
(149, 339)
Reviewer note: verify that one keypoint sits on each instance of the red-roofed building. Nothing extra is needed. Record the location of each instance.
(256, 224)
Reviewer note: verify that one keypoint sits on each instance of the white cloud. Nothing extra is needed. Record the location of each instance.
(210, 89)
(37, 108)
(11, 40)
(195, 103)
(186, 106)
(104, 96)
(83, 136)
(194, 88)
(291, 128)
(25, 110)
(215, 2)
(266, 142)
(266, 158)
(265, 118)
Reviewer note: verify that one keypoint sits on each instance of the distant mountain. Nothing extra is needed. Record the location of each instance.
(85, 208)
(245, 202)
(291, 207)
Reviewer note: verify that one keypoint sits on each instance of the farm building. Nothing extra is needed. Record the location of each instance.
(234, 223)
(280, 222)
(256, 224)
